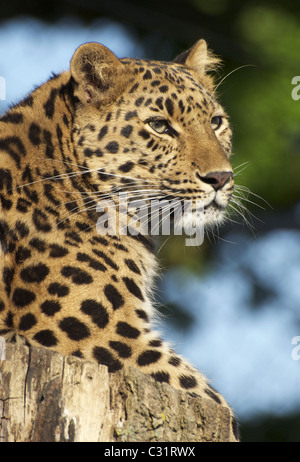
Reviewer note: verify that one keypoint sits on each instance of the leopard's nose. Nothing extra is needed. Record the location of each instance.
(216, 179)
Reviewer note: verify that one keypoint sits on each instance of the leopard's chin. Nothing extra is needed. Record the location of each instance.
(214, 214)
(196, 220)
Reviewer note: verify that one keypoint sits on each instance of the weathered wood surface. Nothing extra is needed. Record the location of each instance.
(45, 396)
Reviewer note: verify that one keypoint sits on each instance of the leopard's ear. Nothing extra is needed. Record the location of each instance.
(200, 59)
(94, 69)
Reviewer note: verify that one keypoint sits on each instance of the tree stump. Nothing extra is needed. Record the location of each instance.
(47, 397)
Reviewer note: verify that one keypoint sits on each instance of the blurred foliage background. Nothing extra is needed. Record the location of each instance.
(259, 43)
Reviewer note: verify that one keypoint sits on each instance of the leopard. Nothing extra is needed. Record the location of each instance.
(107, 126)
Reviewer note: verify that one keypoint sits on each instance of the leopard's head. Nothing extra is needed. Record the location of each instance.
(153, 129)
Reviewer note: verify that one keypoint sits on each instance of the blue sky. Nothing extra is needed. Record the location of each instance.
(247, 353)
(30, 50)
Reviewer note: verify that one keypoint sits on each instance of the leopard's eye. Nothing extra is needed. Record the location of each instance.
(216, 122)
(159, 125)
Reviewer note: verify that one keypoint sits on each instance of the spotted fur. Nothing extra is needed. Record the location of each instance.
(85, 135)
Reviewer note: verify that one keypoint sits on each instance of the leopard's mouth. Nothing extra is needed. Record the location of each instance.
(214, 204)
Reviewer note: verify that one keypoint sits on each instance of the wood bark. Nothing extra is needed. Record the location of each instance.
(47, 397)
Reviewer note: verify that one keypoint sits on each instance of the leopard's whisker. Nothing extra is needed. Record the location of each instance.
(72, 174)
(239, 169)
(242, 214)
(101, 196)
(82, 210)
(231, 72)
(117, 190)
(63, 162)
(245, 190)
(242, 198)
